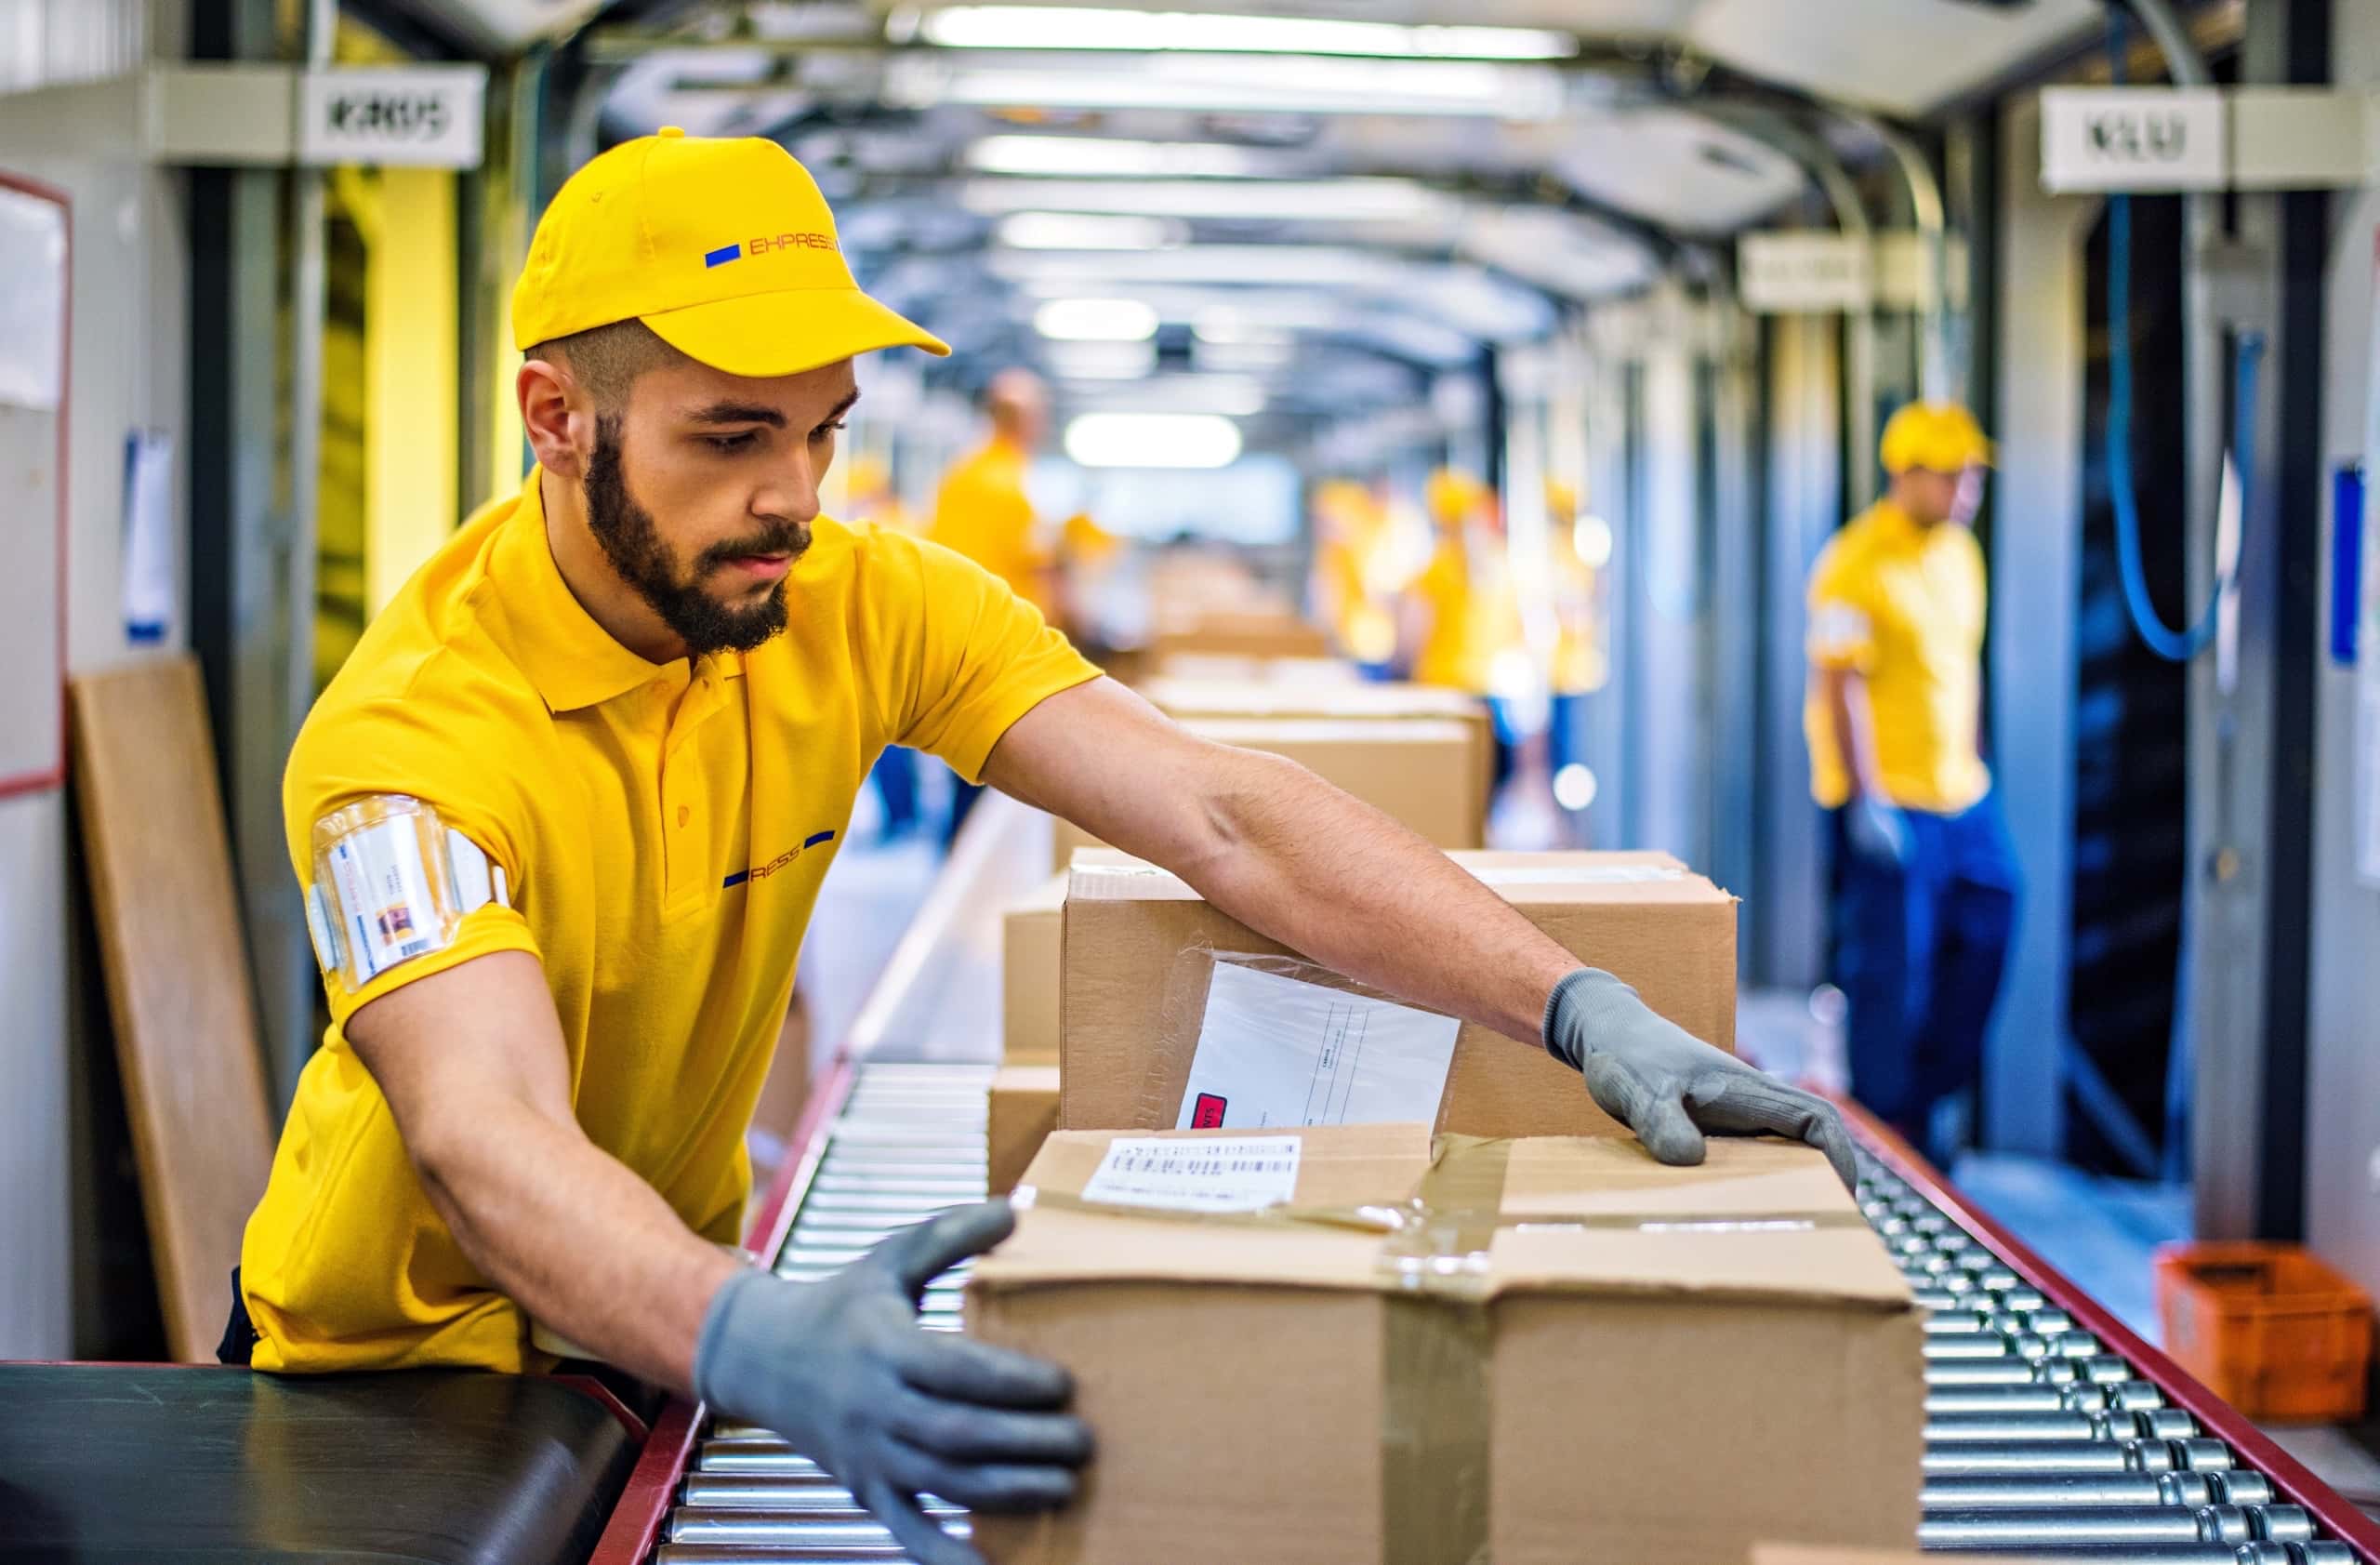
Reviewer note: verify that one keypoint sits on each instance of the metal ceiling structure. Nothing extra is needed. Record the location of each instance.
(1332, 208)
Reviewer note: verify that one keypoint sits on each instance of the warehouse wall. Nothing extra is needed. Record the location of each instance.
(129, 363)
(2343, 1029)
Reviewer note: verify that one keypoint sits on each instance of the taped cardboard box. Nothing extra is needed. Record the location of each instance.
(1023, 1112)
(1420, 772)
(1138, 950)
(1031, 940)
(1531, 1351)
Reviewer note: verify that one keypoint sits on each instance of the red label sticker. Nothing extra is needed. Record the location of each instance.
(1207, 1113)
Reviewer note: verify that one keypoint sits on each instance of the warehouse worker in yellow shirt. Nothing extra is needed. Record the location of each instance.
(1468, 613)
(1926, 881)
(1351, 528)
(560, 821)
(981, 509)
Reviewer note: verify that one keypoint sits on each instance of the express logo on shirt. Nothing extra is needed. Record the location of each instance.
(762, 871)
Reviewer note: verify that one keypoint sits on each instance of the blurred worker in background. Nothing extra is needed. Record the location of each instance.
(1462, 613)
(983, 510)
(1926, 898)
(1351, 530)
(868, 497)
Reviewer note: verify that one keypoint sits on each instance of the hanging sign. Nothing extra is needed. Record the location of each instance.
(2134, 138)
(415, 116)
(1804, 272)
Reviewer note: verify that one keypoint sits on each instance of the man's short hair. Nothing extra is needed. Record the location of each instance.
(607, 360)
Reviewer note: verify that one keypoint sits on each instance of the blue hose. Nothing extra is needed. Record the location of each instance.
(2174, 646)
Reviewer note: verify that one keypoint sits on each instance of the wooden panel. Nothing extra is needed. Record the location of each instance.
(160, 868)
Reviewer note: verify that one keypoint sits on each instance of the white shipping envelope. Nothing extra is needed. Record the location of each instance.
(1275, 1051)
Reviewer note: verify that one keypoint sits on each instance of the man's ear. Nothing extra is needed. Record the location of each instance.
(548, 419)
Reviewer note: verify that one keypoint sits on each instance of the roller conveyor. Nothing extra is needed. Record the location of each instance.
(2040, 1440)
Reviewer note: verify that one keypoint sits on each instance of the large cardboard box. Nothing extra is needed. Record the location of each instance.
(1228, 698)
(1030, 942)
(1250, 632)
(1139, 945)
(1653, 1365)
(1023, 1112)
(1421, 772)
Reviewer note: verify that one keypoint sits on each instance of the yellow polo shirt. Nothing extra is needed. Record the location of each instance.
(1475, 617)
(1904, 606)
(983, 511)
(663, 829)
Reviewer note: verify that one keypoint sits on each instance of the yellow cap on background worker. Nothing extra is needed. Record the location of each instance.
(1938, 436)
(1452, 498)
(724, 247)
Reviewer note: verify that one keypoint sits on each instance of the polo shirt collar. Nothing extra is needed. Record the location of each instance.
(1897, 524)
(573, 662)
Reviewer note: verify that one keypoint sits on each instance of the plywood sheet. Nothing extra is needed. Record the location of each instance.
(160, 866)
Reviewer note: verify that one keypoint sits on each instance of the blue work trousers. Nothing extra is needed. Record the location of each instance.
(1919, 951)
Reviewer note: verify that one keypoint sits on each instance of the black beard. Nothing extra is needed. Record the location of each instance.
(629, 538)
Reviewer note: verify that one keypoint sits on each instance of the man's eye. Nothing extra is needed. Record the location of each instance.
(823, 430)
(733, 443)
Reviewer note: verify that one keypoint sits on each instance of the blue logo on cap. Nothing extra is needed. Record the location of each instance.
(721, 256)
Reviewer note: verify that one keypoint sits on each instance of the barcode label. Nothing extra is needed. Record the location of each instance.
(1202, 1173)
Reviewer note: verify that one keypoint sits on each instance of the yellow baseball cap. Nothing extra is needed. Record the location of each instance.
(1938, 436)
(1452, 496)
(724, 247)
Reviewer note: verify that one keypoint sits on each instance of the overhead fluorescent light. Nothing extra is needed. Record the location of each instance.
(1233, 83)
(1357, 199)
(1087, 230)
(1153, 440)
(1240, 396)
(1067, 27)
(1103, 361)
(1096, 157)
(1096, 320)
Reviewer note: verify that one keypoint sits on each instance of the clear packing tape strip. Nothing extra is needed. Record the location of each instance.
(1434, 1270)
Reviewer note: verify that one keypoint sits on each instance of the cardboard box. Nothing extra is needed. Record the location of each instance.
(1254, 633)
(1134, 979)
(1030, 943)
(1222, 667)
(1421, 772)
(1023, 1112)
(1624, 1393)
(1211, 697)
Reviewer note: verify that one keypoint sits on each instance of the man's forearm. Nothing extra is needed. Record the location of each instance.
(1312, 866)
(1855, 731)
(586, 1248)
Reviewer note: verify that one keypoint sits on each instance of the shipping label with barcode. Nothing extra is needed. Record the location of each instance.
(1202, 1173)
(389, 912)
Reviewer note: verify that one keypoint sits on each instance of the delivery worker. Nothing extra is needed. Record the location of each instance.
(1467, 611)
(560, 821)
(1351, 530)
(982, 509)
(1926, 898)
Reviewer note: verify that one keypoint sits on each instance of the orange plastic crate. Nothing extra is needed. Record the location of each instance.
(2268, 1327)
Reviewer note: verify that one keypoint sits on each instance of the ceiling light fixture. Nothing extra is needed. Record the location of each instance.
(1234, 84)
(1153, 440)
(1083, 231)
(1096, 320)
(1067, 27)
(1110, 157)
(1358, 199)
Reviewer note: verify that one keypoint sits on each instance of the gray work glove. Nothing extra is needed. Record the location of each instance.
(1877, 830)
(842, 1370)
(1669, 1087)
